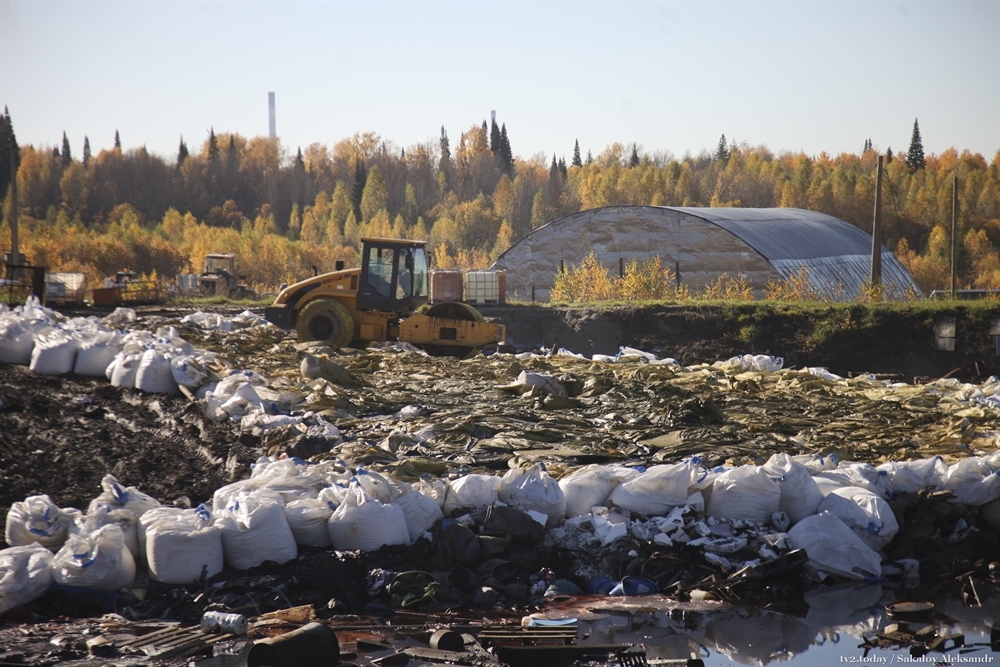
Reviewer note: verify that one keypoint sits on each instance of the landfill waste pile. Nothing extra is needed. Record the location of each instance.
(231, 468)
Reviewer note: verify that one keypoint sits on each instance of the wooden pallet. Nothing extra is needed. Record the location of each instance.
(516, 635)
(174, 642)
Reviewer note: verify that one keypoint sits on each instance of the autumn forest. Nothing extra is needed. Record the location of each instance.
(285, 211)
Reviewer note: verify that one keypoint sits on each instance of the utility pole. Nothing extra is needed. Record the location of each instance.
(876, 274)
(954, 234)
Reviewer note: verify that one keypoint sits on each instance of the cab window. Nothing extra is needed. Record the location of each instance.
(380, 261)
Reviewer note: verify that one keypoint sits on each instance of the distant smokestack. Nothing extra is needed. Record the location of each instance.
(271, 132)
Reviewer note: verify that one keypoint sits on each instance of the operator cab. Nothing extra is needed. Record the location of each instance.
(393, 275)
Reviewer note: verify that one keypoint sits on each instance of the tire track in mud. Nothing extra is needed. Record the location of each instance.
(61, 435)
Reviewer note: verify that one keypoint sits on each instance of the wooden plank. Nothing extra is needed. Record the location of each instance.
(434, 655)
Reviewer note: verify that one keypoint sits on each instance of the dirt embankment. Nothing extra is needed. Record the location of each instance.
(844, 338)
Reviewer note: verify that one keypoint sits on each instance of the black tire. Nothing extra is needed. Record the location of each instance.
(325, 320)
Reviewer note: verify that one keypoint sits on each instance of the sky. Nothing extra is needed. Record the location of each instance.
(670, 77)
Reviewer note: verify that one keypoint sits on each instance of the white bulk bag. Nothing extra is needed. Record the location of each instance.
(974, 481)
(833, 547)
(25, 574)
(17, 340)
(97, 560)
(96, 353)
(120, 505)
(420, 512)
(54, 353)
(376, 486)
(799, 494)
(148, 518)
(746, 493)
(912, 476)
(122, 369)
(471, 493)
(154, 374)
(435, 489)
(864, 512)
(859, 474)
(37, 519)
(104, 515)
(815, 463)
(657, 490)
(222, 495)
(547, 384)
(254, 529)
(181, 545)
(361, 522)
(307, 517)
(591, 485)
(532, 489)
(188, 371)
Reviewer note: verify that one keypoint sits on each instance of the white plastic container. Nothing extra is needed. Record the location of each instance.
(482, 287)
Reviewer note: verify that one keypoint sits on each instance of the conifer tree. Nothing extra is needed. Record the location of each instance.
(66, 157)
(445, 147)
(577, 162)
(590, 157)
(118, 141)
(496, 145)
(633, 161)
(562, 166)
(8, 145)
(360, 178)
(888, 155)
(213, 146)
(506, 155)
(182, 152)
(300, 163)
(915, 156)
(86, 151)
(722, 152)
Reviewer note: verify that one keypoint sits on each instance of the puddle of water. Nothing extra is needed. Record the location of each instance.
(826, 631)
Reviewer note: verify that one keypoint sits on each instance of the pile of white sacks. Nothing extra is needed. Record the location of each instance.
(155, 362)
(837, 512)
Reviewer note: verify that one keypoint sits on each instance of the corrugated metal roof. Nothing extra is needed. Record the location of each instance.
(787, 233)
(835, 253)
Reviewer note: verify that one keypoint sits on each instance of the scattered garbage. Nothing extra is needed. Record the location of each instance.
(217, 621)
(662, 468)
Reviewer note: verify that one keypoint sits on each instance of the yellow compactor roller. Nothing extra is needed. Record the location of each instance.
(378, 302)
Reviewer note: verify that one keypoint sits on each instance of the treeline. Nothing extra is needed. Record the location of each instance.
(285, 213)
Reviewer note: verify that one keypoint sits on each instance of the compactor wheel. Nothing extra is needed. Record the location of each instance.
(326, 320)
(455, 311)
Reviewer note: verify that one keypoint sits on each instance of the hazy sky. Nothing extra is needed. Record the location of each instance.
(669, 76)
